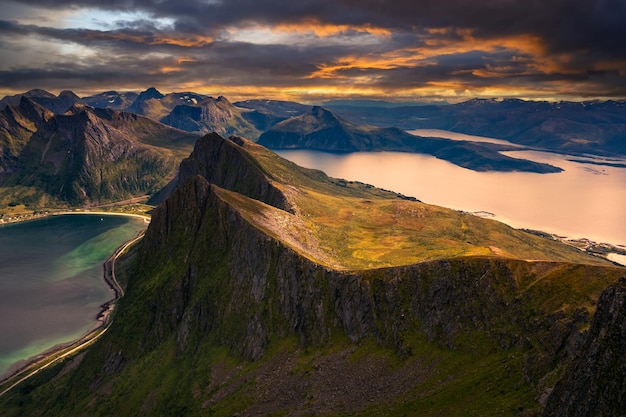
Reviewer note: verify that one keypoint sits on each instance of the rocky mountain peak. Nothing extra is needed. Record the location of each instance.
(324, 116)
(222, 99)
(225, 163)
(34, 111)
(149, 94)
(216, 111)
(77, 108)
(37, 92)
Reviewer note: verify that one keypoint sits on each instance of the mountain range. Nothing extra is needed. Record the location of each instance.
(263, 288)
(320, 129)
(84, 156)
(594, 127)
(581, 128)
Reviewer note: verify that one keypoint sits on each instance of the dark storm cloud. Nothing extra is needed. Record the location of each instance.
(563, 24)
(460, 42)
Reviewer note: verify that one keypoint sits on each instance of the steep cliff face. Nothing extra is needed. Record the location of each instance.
(266, 290)
(18, 123)
(595, 382)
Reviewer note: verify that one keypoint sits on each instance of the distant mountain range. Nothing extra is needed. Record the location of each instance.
(597, 128)
(593, 127)
(319, 129)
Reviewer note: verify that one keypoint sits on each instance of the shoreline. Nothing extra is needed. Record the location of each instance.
(40, 216)
(103, 317)
(103, 213)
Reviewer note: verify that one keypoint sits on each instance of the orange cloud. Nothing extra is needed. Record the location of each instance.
(190, 41)
(454, 41)
(384, 61)
(177, 65)
(527, 50)
(323, 30)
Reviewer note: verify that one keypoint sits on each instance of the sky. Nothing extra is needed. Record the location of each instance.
(309, 50)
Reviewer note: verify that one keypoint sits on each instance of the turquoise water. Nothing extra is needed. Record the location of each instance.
(51, 280)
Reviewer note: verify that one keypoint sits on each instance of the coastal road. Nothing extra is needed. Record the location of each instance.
(56, 356)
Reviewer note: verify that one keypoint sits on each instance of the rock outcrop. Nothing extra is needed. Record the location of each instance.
(225, 163)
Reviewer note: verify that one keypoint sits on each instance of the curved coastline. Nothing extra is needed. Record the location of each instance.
(43, 360)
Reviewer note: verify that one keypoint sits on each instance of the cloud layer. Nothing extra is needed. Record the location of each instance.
(309, 49)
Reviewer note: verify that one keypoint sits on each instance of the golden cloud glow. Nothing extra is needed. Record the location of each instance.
(187, 42)
(176, 65)
(444, 41)
(527, 50)
(384, 61)
(325, 30)
(303, 31)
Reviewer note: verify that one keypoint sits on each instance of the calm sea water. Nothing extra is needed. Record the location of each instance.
(584, 201)
(51, 279)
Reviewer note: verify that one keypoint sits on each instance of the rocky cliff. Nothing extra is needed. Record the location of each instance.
(18, 123)
(226, 164)
(595, 381)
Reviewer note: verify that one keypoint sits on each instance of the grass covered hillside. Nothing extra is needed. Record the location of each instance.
(357, 226)
(263, 288)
